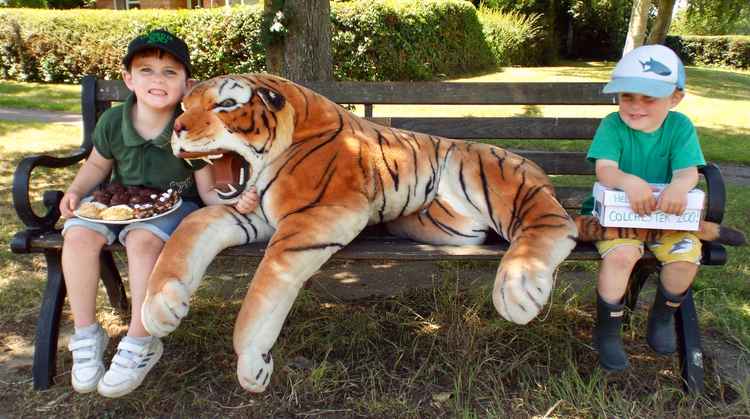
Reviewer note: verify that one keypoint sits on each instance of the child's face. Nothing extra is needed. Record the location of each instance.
(158, 82)
(646, 113)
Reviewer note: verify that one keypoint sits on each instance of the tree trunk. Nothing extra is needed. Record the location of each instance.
(663, 20)
(305, 53)
(637, 25)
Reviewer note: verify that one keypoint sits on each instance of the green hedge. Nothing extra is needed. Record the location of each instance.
(516, 39)
(63, 46)
(407, 40)
(371, 40)
(729, 51)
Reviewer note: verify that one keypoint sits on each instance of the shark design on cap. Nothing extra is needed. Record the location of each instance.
(655, 67)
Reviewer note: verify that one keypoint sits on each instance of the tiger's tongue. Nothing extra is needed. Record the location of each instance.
(226, 172)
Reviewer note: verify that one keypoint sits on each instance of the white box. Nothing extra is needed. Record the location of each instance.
(612, 208)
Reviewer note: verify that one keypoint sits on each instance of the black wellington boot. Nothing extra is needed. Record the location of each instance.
(661, 335)
(607, 339)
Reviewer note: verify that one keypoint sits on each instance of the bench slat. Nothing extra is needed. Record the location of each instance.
(560, 162)
(499, 127)
(464, 93)
(418, 93)
(364, 249)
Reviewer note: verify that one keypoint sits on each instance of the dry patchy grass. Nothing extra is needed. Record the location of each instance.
(436, 352)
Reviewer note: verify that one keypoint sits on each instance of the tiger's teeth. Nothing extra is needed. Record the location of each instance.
(242, 176)
(188, 161)
(207, 160)
(215, 156)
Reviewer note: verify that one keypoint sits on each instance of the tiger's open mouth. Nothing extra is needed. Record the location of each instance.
(231, 171)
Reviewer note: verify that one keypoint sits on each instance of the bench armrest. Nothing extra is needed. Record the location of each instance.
(51, 199)
(716, 191)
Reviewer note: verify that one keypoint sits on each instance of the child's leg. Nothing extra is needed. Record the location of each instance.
(618, 259)
(82, 245)
(80, 263)
(680, 255)
(143, 248)
(138, 352)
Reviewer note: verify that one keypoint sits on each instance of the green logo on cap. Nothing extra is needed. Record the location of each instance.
(158, 38)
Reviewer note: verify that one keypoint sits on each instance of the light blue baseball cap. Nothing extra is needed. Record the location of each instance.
(651, 70)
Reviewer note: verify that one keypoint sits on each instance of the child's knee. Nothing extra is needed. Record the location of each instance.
(682, 268)
(141, 240)
(81, 238)
(623, 257)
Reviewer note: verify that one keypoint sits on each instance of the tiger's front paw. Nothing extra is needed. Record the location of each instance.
(162, 312)
(520, 291)
(254, 369)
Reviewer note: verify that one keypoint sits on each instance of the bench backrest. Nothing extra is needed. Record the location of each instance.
(99, 94)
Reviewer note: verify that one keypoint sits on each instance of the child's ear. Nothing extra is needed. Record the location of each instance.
(128, 79)
(677, 97)
(190, 83)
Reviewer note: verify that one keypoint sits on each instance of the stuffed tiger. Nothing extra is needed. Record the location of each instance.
(323, 174)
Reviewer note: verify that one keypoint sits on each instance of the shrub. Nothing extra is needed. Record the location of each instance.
(371, 40)
(730, 51)
(515, 38)
(63, 46)
(407, 40)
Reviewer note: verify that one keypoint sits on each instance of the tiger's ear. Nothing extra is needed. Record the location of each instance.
(273, 100)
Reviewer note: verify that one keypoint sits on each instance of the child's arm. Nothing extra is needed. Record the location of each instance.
(204, 180)
(93, 172)
(673, 200)
(639, 192)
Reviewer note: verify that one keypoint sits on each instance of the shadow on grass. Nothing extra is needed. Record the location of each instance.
(715, 83)
(726, 144)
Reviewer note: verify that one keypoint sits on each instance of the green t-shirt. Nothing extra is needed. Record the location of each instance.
(138, 161)
(652, 156)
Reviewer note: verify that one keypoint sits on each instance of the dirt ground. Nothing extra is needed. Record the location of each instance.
(350, 281)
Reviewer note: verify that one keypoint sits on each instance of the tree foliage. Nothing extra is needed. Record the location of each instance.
(714, 17)
(31, 4)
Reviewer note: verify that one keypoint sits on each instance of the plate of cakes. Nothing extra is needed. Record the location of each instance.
(118, 204)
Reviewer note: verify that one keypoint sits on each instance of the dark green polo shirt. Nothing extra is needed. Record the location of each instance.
(138, 161)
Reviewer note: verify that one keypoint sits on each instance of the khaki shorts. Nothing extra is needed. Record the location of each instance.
(680, 246)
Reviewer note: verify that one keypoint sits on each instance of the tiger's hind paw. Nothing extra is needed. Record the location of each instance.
(520, 292)
(254, 370)
(162, 312)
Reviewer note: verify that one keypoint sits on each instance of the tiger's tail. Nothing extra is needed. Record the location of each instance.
(589, 230)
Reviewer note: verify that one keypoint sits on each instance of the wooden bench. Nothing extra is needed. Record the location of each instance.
(42, 236)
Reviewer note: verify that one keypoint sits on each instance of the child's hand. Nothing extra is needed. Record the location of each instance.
(248, 201)
(640, 195)
(672, 200)
(69, 203)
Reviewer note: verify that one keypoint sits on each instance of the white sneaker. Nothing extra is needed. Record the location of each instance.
(129, 367)
(88, 367)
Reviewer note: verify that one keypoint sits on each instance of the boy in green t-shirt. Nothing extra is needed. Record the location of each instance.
(132, 142)
(645, 142)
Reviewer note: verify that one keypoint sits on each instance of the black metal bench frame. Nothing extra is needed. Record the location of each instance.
(41, 235)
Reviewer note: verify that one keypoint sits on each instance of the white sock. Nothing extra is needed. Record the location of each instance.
(86, 331)
(138, 340)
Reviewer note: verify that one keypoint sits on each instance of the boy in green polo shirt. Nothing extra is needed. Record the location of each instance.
(132, 142)
(645, 142)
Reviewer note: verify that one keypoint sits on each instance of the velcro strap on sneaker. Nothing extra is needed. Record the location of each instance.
(88, 343)
(131, 347)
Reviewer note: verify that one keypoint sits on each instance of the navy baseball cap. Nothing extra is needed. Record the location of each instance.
(651, 70)
(163, 40)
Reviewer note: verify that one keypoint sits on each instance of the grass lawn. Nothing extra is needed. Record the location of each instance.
(437, 352)
(48, 97)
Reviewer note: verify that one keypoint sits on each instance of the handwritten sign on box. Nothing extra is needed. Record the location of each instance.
(612, 208)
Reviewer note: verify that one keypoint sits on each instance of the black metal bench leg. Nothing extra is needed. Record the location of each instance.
(48, 324)
(689, 342)
(113, 282)
(641, 272)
